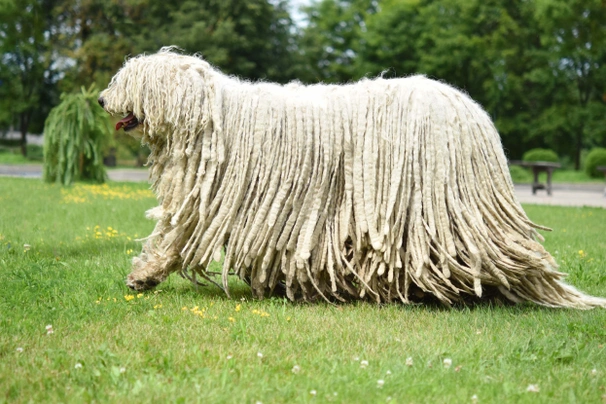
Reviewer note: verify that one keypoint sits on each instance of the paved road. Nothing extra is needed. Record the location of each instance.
(563, 194)
(35, 171)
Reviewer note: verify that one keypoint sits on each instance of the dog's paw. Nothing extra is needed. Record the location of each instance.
(141, 284)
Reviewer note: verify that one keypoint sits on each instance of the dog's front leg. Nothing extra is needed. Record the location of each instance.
(152, 266)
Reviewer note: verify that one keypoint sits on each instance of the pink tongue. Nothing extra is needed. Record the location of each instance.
(124, 121)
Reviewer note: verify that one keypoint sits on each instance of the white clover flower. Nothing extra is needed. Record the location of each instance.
(259, 354)
(447, 363)
(78, 365)
(380, 383)
(533, 388)
(409, 361)
(122, 369)
(19, 349)
(594, 372)
(313, 392)
(363, 364)
(229, 357)
(296, 369)
(388, 372)
(474, 399)
(356, 358)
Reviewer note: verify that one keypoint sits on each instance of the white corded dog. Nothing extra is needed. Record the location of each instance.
(387, 189)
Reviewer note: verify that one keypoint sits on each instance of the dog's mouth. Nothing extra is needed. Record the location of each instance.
(129, 122)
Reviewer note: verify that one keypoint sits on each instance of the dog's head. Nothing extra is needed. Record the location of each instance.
(158, 94)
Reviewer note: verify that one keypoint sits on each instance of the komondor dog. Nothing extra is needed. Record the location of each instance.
(387, 189)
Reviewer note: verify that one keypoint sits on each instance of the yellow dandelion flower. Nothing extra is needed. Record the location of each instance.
(157, 306)
(140, 295)
(129, 297)
(233, 320)
(238, 307)
(184, 308)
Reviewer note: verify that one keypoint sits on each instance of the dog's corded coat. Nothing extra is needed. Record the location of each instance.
(384, 188)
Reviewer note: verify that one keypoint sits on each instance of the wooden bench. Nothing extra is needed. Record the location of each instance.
(537, 168)
(603, 170)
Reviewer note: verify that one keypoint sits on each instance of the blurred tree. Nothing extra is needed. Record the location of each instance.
(330, 43)
(574, 35)
(95, 37)
(251, 39)
(27, 69)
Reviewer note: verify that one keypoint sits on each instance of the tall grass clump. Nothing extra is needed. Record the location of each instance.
(76, 132)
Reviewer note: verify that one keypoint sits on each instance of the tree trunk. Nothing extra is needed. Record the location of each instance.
(578, 147)
(23, 124)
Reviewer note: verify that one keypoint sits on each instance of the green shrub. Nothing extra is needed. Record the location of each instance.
(35, 152)
(595, 158)
(13, 155)
(10, 142)
(519, 174)
(541, 155)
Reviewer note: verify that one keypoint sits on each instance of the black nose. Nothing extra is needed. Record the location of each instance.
(101, 102)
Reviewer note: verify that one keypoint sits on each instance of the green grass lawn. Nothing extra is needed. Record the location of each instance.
(14, 158)
(64, 255)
